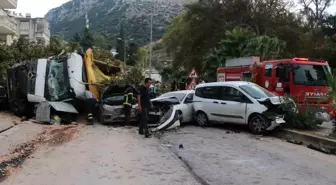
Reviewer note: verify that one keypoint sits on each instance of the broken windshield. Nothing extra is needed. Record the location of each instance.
(58, 85)
(310, 74)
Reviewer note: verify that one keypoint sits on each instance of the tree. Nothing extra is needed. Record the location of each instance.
(133, 54)
(87, 40)
(193, 33)
(241, 43)
(315, 11)
(121, 44)
(76, 38)
(265, 47)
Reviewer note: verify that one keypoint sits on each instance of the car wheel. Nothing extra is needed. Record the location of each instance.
(202, 119)
(258, 124)
(180, 115)
(102, 119)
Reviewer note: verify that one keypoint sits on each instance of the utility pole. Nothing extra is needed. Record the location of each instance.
(150, 46)
(125, 42)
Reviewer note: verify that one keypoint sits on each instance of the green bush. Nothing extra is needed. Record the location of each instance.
(298, 120)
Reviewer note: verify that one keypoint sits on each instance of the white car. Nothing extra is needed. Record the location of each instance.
(237, 102)
(182, 101)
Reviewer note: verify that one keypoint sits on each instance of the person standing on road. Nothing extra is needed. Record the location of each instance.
(144, 105)
(128, 102)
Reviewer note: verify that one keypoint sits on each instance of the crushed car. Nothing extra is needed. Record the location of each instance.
(167, 112)
(111, 108)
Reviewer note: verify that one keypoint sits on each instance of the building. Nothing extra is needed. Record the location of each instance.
(14, 26)
(34, 29)
(155, 75)
(8, 24)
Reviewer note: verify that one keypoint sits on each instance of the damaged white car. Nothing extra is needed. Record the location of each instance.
(238, 102)
(171, 109)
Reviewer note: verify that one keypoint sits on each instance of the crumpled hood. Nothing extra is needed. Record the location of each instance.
(162, 98)
(276, 100)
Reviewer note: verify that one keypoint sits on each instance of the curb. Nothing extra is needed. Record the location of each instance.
(314, 142)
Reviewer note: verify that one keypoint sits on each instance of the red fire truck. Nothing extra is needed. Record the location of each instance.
(305, 80)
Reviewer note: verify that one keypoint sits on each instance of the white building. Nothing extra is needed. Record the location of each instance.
(13, 26)
(35, 29)
(8, 24)
(155, 75)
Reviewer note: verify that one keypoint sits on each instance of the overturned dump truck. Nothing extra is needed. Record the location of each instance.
(56, 80)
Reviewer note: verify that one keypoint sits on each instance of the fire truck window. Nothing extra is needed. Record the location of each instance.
(268, 70)
(277, 71)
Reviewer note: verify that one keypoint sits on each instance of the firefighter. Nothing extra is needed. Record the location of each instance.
(128, 102)
(91, 102)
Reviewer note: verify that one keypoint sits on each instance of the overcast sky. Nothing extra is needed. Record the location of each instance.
(38, 8)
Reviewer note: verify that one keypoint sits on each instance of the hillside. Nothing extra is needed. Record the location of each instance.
(106, 17)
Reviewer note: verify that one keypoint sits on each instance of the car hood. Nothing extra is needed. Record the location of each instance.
(172, 99)
(275, 100)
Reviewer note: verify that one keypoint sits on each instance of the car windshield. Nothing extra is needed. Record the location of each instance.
(114, 98)
(178, 95)
(310, 74)
(255, 91)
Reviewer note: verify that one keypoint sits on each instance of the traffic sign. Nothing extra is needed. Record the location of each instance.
(193, 74)
(192, 84)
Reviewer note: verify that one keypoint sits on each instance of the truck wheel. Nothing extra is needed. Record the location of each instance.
(202, 119)
(258, 124)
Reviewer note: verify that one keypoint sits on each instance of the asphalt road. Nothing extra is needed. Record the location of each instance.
(100, 155)
(189, 156)
(220, 157)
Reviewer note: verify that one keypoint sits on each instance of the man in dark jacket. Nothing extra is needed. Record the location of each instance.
(144, 104)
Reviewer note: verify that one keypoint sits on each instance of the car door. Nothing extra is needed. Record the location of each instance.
(187, 107)
(211, 102)
(232, 105)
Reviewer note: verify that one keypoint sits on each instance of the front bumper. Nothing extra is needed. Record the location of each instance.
(276, 123)
(322, 117)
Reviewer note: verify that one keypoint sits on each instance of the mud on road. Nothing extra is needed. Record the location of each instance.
(50, 136)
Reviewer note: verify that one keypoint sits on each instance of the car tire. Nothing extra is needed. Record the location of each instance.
(180, 115)
(202, 119)
(102, 119)
(258, 124)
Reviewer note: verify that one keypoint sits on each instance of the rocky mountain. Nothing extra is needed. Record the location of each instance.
(106, 16)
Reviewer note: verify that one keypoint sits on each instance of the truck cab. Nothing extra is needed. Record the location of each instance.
(303, 79)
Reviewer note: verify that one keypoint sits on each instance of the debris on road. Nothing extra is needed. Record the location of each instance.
(294, 141)
(51, 136)
(325, 150)
(181, 146)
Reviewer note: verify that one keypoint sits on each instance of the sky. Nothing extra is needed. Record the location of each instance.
(38, 8)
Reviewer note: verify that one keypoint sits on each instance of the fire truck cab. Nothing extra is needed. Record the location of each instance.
(303, 79)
